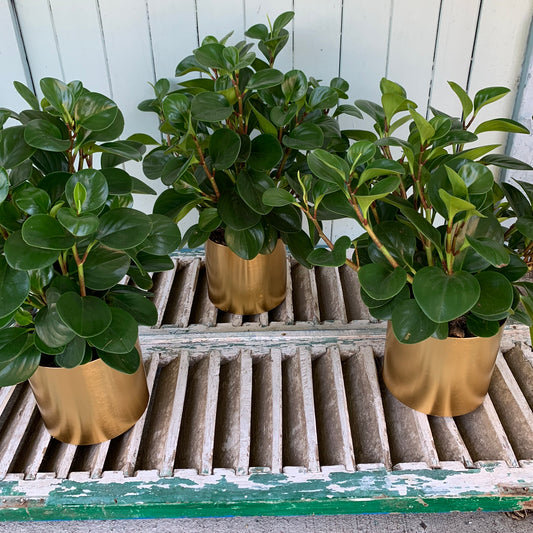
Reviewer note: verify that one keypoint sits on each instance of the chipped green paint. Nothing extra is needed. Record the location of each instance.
(148, 496)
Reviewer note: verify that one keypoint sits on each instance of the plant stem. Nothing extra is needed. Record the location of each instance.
(205, 167)
(81, 275)
(449, 247)
(282, 164)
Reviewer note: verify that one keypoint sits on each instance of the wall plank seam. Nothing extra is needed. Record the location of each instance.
(474, 48)
(21, 45)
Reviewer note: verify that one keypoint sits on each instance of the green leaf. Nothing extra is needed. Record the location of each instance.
(410, 324)
(445, 297)
(78, 225)
(120, 336)
(505, 161)
(44, 135)
(454, 205)
(125, 150)
(282, 21)
(422, 225)
(164, 237)
(210, 107)
(361, 152)
(127, 363)
(139, 187)
(329, 167)
(384, 312)
(209, 219)
(104, 268)
(496, 297)
(210, 55)
(481, 327)
(51, 330)
(13, 341)
(235, 213)
(264, 79)
(246, 243)
(383, 188)
(466, 102)
(87, 316)
(27, 94)
(251, 186)
(22, 256)
(477, 177)
(176, 108)
(494, 252)
(380, 167)
(59, 95)
(137, 305)
(13, 148)
(525, 226)
(323, 98)
(4, 184)
(264, 124)
(276, 197)
(224, 147)
(31, 200)
(501, 124)
(305, 136)
(399, 239)
(347, 110)
(189, 64)
(373, 110)
(123, 228)
(333, 258)
(487, 96)
(95, 186)
(381, 281)
(458, 185)
(266, 152)
(287, 219)
(21, 368)
(294, 86)
(517, 200)
(94, 111)
(44, 231)
(73, 354)
(300, 246)
(425, 129)
(257, 31)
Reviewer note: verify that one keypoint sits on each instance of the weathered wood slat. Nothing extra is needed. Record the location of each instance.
(284, 312)
(266, 423)
(355, 308)
(365, 408)
(5, 394)
(520, 361)
(162, 287)
(203, 311)
(305, 299)
(36, 449)
(448, 441)
(232, 431)
(335, 443)
(195, 443)
(64, 459)
(513, 410)
(484, 435)
(181, 298)
(329, 292)
(300, 443)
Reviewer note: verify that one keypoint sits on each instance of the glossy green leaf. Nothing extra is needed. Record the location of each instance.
(59, 94)
(51, 329)
(137, 305)
(139, 187)
(164, 237)
(525, 226)
(361, 152)
(104, 268)
(264, 79)
(31, 200)
(294, 86)
(425, 129)
(22, 256)
(276, 197)
(123, 228)
(94, 111)
(190, 64)
(282, 20)
(410, 324)
(477, 177)
(328, 167)
(95, 186)
(517, 200)
(44, 231)
(120, 336)
(87, 316)
(399, 239)
(444, 297)
(246, 243)
(224, 147)
(125, 150)
(44, 135)
(333, 258)
(300, 246)
(27, 94)
(251, 186)
(458, 185)
(505, 161)
(13, 341)
(381, 281)
(481, 327)
(78, 225)
(265, 154)
(235, 213)
(423, 226)
(494, 252)
(264, 124)
(128, 363)
(13, 148)
(305, 136)
(384, 312)
(20, 368)
(210, 107)
(323, 98)
(257, 31)
(454, 205)
(176, 108)
(210, 55)
(380, 167)
(209, 219)
(466, 102)
(4, 184)
(287, 219)
(501, 124)
(488, 95)
(496, 296)
(383, 188)
(73, 354)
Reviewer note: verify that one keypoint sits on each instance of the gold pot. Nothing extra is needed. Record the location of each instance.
(245, 287)
(90, 403)
(440, 377)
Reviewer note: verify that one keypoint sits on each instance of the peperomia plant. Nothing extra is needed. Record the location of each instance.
(444, 244)
(242, 128)
(69, 235)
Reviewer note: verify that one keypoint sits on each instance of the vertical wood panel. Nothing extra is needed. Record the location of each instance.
(457, 32)
(219, 18)
(498, 56)
(173, 33)
(80, 43)
(411, 47)
(317, 38)
(12, 62)
(256, 12)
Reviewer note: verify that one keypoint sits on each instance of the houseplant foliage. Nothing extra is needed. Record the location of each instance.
(240, 129)
(444, 244)
(69, 235)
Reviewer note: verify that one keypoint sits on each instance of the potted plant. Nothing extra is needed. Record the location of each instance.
(68, 238)
(242, 128)
(444, 245)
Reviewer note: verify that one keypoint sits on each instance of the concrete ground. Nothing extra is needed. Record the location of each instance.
(393, 523)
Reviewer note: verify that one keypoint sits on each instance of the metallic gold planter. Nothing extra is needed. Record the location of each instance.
(91, 403)
(440, 377)
(245, 287)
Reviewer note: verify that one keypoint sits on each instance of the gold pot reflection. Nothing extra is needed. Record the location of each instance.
(245, 287)
(90, 403)
(440, 377)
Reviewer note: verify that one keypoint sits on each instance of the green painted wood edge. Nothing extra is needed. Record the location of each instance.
(488, 489)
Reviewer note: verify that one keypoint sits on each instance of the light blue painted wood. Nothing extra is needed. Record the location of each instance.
(219, 18)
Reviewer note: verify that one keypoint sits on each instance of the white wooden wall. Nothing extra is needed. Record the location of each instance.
(118, 46)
